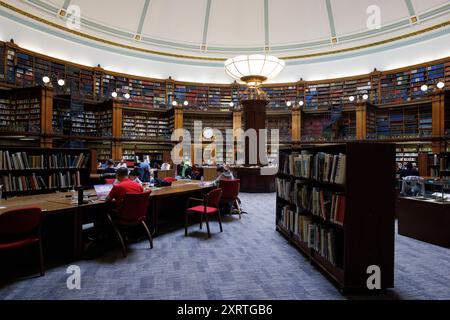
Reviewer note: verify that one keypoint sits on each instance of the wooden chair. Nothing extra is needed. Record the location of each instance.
(230, 193)
(132, 212)
(20, 228)
(209, 206)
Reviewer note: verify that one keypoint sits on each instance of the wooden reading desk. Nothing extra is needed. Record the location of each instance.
(61, 203)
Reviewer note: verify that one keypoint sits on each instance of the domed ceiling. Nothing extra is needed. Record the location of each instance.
(217, 29)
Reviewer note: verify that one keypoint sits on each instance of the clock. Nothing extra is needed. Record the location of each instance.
(208, 133)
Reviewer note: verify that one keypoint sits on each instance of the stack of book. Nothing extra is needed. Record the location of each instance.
(329, 168)
(329, 206)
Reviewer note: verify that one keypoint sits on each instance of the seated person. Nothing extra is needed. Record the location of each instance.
(134, 176)
(185, 170)
(110, 167)
(408, 171)
(165, 166)
(223, 173)
(144, 171)
(122, 163)
(124, 185)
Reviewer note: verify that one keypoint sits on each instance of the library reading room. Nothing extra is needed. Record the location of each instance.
(225, 150)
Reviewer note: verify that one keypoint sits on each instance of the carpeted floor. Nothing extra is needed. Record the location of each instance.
(249, 260)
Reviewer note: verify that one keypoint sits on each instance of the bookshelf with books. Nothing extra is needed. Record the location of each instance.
(410, 122)
(38, 170)
(145, 125)
(279, 96)
(282, 122)
(75, 118)
(20, 110)
(333, 214)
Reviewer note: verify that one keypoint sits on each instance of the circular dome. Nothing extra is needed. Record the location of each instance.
(207, 32)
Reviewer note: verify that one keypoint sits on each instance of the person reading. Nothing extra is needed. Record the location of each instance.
(134, 176)
(124, 186)
(110, 167)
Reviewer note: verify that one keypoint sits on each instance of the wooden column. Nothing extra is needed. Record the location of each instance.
(296, 124)
(178, 118)
(237, 121)
(117, 148)
(438, 120)
(47, 117)
(361, 118)
(254, 118)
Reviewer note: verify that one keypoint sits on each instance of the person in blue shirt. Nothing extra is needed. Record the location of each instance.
(144, 171)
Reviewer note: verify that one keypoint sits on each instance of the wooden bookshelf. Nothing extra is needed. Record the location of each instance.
(360, 232)
(20, 110)
(41, 170)
(401, 111)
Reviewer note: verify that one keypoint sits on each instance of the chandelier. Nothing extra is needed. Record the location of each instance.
(254, 69)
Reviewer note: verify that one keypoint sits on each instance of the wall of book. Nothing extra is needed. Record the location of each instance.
(155, 153)
(36, 170)
(325, 96)
(75, 118)
(410, 153)
(406, 85)
(281, 122)
(20, 110)
(220, 121)
(406, 122)
(145, 125)
(280, 95)
(329, 126)
(447, 116)
(23, 68)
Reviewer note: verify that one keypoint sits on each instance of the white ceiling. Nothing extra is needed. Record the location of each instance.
(228, 27)
(173, 31)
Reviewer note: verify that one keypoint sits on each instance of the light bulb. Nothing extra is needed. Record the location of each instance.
(186, 102)
(61, 82)
(46, 79)
(424, 87)
(174, 103)
(288, 103)
(126, 95)
(440, 85)
(301, 103)
(351, 98)
(231, 104)
(365, 96)
(114, 94)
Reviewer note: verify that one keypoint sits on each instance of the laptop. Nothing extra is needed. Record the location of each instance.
(102, 190)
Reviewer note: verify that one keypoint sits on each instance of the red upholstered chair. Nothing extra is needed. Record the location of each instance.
(20, 228)
(132, 212)
(209, 206)
(170, 179)
(230, 192)
(110, 181)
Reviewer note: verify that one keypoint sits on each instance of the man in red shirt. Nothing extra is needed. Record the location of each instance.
(123, 186)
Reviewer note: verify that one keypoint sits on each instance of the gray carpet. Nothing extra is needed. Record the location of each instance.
(249, 260)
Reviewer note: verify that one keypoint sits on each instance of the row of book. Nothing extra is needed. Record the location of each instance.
(20, 161)
(23, 183)
(61, 160)
(329, 206)
(64, 180)
(296, 164)
(329, 167)
(323, 240)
